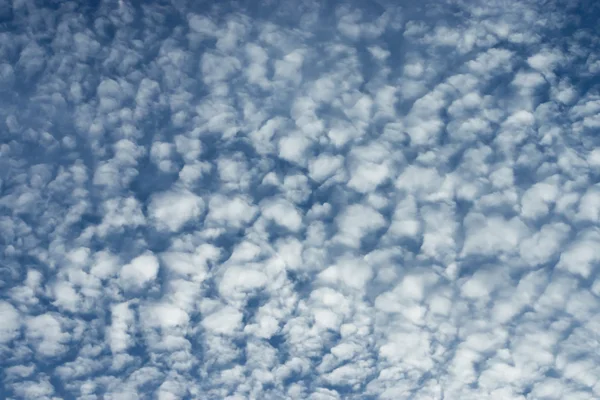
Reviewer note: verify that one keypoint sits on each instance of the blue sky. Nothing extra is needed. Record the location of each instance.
(298, 200)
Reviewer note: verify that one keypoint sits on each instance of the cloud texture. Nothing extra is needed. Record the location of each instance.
(299, 200)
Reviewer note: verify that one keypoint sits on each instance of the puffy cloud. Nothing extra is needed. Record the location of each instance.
(371, 168)
(283, 213)
(544, 244)
(172, 210)
(121, 213)
(224, 321)
(354, 274)
(140, 271)
(418, 180)
(119, 337)
(164, 315)
(236, 211)
(357, 221)
(314, 202)
(492, 235)
(237, 280)
(580, 256)
(11, 322)
(47, 334)
(325, 166)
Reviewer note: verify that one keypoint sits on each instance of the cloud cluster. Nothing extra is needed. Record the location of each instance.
(299, 200)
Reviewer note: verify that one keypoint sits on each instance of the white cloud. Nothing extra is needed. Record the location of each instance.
(224, 321)
(41, 389)
(589, 206)
(371, 168)
(581, 255)
(66, 297)
(140, 271)
(164, 316)
(317, 202)
(492, 235)
(202, 25)
(355, 222)
(544, 244)
(217, 68)
(236, 211)
(492, 61)
(11, 322)
(191, 264)
(160, 154)
(288, 68)
(545, 61)
(348, 272)
(119, 334)
(47, 334)
(405, 220)
(282, 213)
(418, 180)
(120, 213)
(536, 200)
(325, 166)
(239, 279)
(172, 210)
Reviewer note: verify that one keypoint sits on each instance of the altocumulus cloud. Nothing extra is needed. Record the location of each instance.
(300, 200)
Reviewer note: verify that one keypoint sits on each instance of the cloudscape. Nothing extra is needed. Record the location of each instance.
(300, 199)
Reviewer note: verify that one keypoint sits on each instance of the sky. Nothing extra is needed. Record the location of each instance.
(300, 200)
